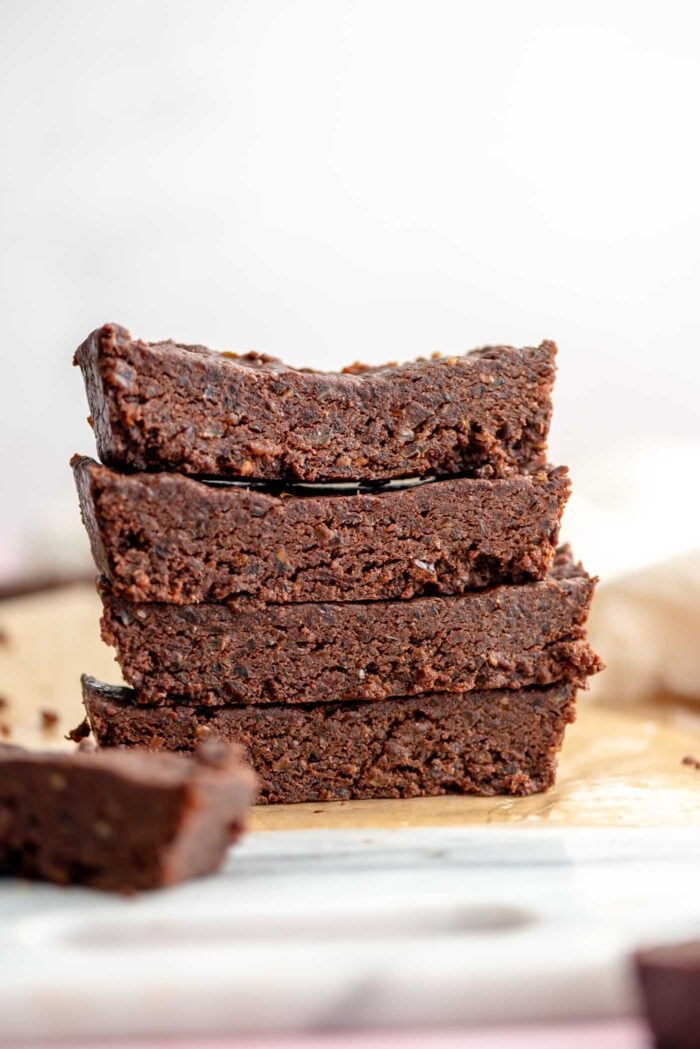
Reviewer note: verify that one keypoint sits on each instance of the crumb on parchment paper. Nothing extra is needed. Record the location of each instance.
(80, 732)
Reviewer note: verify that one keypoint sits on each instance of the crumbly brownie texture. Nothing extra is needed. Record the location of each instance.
(669, 979)
(482, 743)
(164, 537)
(118, 820)
(164, 406)
(505, 637)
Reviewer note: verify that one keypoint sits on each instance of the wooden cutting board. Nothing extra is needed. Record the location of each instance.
(619, 767)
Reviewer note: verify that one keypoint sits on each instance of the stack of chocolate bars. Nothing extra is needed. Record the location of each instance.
(355, 575)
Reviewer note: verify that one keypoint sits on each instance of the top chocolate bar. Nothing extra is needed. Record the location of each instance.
(162, 406)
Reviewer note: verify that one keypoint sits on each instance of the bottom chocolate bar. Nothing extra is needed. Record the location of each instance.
(494, 742)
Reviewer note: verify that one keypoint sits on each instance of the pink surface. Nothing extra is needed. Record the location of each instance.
(625, 1034)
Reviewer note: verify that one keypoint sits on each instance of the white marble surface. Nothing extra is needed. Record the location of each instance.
(318, 930)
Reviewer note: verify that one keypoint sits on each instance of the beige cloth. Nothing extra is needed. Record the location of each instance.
(646, 626)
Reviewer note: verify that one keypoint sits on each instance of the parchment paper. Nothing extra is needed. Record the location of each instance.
(619, 766)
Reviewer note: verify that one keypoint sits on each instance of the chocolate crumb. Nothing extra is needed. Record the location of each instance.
(49, 719)
(4, 637)
(81, 731)
(692, 761)
(5, 730)
(4, 702)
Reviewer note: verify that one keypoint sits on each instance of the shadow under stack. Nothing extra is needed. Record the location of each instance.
(355, 575)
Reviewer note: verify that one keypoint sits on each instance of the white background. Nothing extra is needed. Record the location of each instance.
(328, 181)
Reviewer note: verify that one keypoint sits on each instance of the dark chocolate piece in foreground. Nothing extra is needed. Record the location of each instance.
(482, 743)
(669, 979)
(164, 537)
(504, 637)
(119, 820)
(163, 406)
